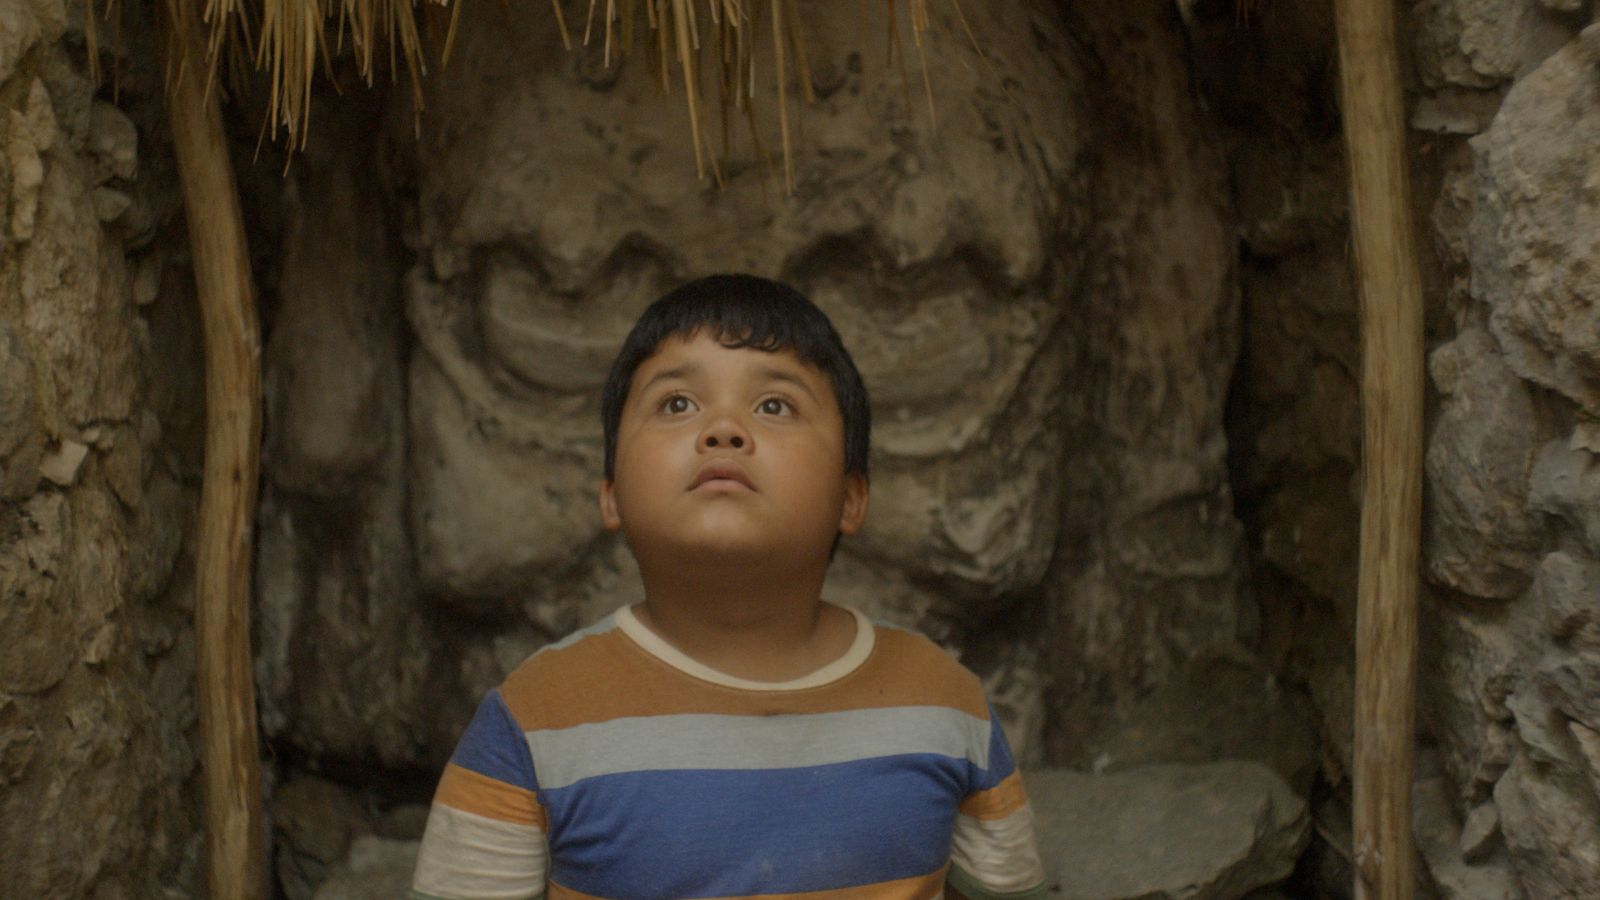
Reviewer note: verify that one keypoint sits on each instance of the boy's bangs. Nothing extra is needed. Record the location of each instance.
(738, 326)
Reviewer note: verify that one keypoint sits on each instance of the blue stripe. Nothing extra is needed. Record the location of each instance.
(494, 745)
(699, 833)
(1001, 762)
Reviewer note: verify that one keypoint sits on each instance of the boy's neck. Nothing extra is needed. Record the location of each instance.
(759, 629)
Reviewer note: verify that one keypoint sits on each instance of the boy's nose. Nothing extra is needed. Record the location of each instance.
(724, 432)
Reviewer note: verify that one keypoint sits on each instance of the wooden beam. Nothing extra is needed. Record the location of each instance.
(1392, 409)
(229, 755)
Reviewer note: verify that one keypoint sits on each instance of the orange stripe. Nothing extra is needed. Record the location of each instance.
(607, 676)
(997, 802)
(920, 887)
(474, 792)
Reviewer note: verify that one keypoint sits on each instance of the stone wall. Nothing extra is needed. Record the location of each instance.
(1504, 111)
(1512, 653)
(99, 415)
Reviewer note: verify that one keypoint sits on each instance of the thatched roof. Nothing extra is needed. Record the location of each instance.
(289, 39)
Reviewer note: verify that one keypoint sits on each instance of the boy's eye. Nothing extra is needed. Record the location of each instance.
(773, 406)
(676, 403)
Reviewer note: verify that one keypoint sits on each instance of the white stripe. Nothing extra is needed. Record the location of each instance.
(652, 643)
(677, 742)
(467, 855)
(999, 854)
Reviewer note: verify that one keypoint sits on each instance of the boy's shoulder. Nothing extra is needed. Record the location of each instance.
(909, 663)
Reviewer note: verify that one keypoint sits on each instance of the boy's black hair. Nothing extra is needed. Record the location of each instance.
(744, 311)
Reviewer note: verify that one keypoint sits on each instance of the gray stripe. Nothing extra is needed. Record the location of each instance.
(653, 743)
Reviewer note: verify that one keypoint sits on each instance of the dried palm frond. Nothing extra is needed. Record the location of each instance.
(287, 39)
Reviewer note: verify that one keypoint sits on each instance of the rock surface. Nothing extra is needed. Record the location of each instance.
(1453, 872)
(1484, 538)
(314, 823)
(1508, 97)
(96, 495)
(1294, 429)
(1509, 691)
(1532, 266)
(1168, 832)
(376, 869)
(1219, 709)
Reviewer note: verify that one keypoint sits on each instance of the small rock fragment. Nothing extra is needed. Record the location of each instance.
(62, 465)
(1479, 831)
(377, 869)
(1589, 744)
(1590, 38)
(110, 204)
(147, 280)
(114, 141)
(1166, 832)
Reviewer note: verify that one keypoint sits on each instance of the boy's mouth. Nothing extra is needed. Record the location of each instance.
(721, 471)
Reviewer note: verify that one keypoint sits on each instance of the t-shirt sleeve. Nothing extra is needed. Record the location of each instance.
(486, 834)
(993, 854)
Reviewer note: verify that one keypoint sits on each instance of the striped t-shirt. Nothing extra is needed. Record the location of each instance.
(612, 765)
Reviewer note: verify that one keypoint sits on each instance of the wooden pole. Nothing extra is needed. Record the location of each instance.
(1392, 398)
(229, 757)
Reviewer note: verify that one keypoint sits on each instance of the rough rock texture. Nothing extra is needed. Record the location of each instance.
(1484, 43)
(1218, 709)
(1294, 413)
(341, 650)
(1484, 539)
(1151, 569)
(1050, 492)
(1455, 871)
(1505, 104)
(376, 869)
(97, 477)
(1532, 264)
(314, 823)
(1512, 664)
(1169, 832)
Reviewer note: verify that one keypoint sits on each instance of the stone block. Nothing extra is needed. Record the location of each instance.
(376, 869)
(1453, 874)
(1552, 828)
(1565, 482)
(1171, 832)
(1538, 201)
(314, 822)
(1481, 537)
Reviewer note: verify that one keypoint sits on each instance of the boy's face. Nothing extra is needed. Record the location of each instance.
(735, 452)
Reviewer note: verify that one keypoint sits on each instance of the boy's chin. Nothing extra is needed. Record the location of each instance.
(741, 547)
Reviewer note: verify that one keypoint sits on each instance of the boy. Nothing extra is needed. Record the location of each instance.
(734, 735)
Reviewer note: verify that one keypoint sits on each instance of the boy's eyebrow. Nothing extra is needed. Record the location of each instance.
(766, 373)
(773, 373)
(680, 371)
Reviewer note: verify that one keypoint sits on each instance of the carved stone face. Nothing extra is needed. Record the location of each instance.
(557, 204)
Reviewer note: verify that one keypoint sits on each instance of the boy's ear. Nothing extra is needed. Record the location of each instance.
(608, 506)
(855, 503)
